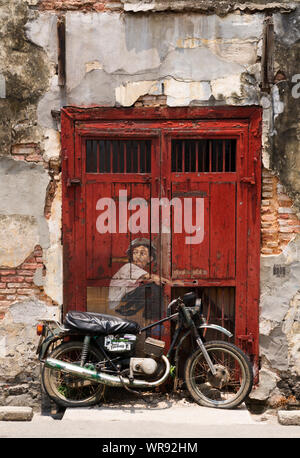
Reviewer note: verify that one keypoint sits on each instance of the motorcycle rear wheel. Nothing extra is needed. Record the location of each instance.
(232, 383)
(69, 390)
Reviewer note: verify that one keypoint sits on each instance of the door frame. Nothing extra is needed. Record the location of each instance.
(75, 119)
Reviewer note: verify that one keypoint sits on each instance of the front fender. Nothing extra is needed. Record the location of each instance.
(217, 328)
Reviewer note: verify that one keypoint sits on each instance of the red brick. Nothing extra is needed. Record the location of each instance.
(25, 273)
(270, 217)
(286, 229)
(34, 158)
(267, 251)
(284, 203)
(286, 237)
(24, 149)
(285, 216)
(14, 279)
(269, 231)
(7, 272)
(38, 251)
(32, 266)
(30, 259)
(17, 285)
(4, 303)
(24, 291)
(73, 5)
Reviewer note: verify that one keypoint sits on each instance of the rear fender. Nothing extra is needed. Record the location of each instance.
(44, 346)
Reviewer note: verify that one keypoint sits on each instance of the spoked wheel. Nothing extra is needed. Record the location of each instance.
(70, 390)
(229, 386)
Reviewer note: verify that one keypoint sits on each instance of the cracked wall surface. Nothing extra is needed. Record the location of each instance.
(144, 53)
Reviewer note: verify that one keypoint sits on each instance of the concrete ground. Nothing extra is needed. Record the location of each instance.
(165, 418)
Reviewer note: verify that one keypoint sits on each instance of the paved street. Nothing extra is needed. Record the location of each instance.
(165, 420)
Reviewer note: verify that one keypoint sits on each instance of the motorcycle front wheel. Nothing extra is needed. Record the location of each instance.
(232, 382)
(69, 390)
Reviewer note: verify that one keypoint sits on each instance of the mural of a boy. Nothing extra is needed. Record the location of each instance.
(133, 288)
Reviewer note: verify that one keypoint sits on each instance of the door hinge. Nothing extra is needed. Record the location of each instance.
(249, 180)
(246, 338)
(245, 342)
(73, 182)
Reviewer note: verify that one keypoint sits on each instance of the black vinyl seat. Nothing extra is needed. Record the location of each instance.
(99, 323)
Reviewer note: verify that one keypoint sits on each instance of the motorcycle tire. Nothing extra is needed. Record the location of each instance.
(232, 383)
(69, 390)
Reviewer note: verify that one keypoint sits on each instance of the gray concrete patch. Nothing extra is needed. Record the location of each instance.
(164, 413)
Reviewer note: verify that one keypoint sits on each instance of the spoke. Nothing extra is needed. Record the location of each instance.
(208, 385)
(71, 387)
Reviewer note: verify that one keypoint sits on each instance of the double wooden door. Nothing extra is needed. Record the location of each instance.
(159, 203)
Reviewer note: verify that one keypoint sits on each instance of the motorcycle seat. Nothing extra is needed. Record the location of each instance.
(99, 323)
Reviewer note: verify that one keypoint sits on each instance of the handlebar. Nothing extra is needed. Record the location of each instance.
(185, 311)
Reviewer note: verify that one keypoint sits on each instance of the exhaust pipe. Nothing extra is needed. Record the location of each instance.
(102, 377)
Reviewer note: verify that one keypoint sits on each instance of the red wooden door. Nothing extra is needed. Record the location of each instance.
(157, 202)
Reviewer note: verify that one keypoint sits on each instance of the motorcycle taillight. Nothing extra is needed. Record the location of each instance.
(39, 329)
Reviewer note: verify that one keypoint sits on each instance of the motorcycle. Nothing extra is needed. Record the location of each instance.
(92, 350)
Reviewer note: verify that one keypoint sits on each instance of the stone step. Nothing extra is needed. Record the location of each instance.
(289, 417)
(15, 413)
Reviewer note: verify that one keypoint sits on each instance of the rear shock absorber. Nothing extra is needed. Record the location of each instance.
(85, 350)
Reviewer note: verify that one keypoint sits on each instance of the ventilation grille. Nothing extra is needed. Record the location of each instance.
(207, 156)
(118, 156)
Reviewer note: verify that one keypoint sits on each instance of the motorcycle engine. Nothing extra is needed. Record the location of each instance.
(124, 345)
(148, 366)
(142, 366)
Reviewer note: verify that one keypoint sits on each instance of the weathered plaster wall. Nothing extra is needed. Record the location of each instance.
(128, 53)
(286, 144)
(30, 255)
(119, 70)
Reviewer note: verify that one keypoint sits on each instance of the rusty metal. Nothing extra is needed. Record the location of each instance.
(61, 45)
(267, 60)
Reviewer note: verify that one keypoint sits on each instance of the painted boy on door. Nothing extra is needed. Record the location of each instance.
(133, 288)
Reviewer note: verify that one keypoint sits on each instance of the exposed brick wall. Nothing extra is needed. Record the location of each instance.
(151, 101)
(17, 283)
(82, 5)
(279, 221)
(29, 152)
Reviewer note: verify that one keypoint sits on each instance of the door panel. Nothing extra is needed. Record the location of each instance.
(222, 230)
(190, 251)
(98, 246)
